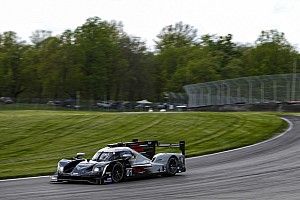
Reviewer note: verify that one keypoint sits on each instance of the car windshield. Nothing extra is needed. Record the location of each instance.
(103, 156)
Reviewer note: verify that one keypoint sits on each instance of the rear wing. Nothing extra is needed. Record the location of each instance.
(147, 148)
(180, 145)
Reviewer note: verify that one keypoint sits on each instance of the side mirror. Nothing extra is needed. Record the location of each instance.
(79, 155)
(126, 156)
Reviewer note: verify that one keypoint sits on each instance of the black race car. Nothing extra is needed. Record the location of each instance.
(121, 161)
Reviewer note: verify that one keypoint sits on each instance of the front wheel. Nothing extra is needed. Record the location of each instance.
(117, 172)
(172, 166)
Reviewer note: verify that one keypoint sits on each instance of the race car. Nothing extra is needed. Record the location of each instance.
(121, 161)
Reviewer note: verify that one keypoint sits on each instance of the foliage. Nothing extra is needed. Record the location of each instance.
(179, 35)
(99, 61)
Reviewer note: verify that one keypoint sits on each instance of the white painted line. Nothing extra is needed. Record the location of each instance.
(291, 125)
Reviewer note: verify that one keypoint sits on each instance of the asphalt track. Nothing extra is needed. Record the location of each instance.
(269, 170)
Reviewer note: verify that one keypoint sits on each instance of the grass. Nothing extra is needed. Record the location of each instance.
(33, 141)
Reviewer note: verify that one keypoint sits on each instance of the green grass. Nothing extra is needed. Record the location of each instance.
(33, 141)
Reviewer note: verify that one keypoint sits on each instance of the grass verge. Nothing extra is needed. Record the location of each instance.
(33, 141)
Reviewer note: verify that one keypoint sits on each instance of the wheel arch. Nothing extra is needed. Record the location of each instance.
(163, 158)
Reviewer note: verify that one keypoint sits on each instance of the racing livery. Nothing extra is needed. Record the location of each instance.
(121, 161)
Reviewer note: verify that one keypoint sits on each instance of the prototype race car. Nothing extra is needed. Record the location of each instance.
(121, 161)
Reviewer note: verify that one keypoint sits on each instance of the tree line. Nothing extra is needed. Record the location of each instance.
(102, 62)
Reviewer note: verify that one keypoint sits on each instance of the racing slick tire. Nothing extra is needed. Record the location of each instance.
(171, 167)
(117, 172)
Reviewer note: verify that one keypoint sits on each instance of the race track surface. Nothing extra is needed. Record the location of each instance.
(270, 170)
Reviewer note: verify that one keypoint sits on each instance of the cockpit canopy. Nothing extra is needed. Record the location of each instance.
(108, 154)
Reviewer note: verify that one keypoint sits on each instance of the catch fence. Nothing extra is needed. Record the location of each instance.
(247, 90)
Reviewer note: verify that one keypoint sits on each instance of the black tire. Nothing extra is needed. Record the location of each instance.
(117, 173)
(172, 166)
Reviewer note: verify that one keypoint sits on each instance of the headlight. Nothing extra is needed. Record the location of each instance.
(97, 169)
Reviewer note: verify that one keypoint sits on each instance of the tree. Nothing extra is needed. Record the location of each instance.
(200, 66)
(39, 35)
(103, 62)
(176, 36)
(272, 36)
(134, 83)
(224, 48)
(101, 57)
(11, 51)
(271, 55)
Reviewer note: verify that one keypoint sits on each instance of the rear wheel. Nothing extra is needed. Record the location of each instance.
(117, 172)
(172, 166)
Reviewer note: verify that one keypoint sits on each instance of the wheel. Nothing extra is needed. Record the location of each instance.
(172, 166)
(117, 172)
